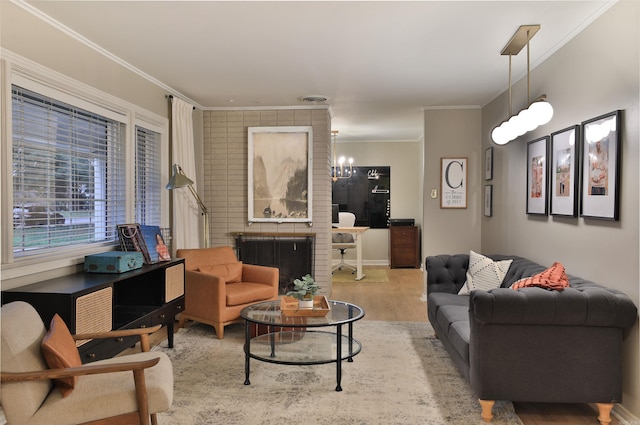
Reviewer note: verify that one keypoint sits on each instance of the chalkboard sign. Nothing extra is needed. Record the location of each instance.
(367, 194)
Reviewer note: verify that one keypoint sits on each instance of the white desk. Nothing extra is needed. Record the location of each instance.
(357, 231)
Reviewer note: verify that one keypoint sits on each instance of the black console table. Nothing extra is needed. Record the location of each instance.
(99, 302)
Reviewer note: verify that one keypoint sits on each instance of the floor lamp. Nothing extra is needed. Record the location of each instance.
(178, 180)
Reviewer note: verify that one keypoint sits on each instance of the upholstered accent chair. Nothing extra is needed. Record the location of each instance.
(218, 286)
(129, 389)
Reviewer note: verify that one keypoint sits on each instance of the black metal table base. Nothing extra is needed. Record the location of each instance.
(272, 339)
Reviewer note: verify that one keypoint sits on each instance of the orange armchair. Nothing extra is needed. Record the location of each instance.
(218, 286)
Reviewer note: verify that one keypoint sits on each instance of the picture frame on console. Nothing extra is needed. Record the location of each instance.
(280, 174)
(537, 176)
(132, 239)
(564, 172)
(601, 155)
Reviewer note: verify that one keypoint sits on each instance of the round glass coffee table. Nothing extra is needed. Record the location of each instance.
(274, 337)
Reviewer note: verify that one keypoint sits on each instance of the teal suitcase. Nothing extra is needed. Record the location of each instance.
(113, 262)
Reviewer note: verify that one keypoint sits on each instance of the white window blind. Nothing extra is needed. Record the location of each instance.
(148, 177)
(68, 175)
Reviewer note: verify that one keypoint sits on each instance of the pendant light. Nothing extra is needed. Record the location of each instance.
(538, 112)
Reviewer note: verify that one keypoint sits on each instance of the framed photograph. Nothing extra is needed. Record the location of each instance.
(453, 182)
(488, 164)
(488, 200)
(537, 181)
(564, 175)
(158, 250)
(280, 174)
(131, 239)
(601, 142)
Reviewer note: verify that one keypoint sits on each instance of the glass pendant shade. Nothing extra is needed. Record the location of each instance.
(542, 110)
(498, 136)
(539, 112)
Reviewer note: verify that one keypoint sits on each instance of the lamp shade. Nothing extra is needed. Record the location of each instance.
(498, 136)
(178, 179)
(542, 110)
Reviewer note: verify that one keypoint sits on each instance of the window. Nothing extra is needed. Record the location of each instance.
(148, 177)
(68, 172)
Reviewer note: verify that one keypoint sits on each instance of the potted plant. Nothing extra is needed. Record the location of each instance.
(304, 289)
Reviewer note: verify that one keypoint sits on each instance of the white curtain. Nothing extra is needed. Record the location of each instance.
(186, 213)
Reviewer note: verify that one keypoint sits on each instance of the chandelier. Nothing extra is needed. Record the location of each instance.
(539, 112)
(342, 168)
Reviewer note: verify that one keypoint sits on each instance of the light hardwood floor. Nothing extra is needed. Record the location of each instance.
(399, 300)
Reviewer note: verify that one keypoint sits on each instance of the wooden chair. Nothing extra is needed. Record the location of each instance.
(101, 395)
(218, 286)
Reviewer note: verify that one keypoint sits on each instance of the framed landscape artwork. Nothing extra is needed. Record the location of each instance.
(537, 181)
(601, 141)
(564, 171)
(280, 174)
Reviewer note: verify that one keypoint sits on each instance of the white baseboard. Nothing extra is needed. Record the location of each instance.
(624, 415)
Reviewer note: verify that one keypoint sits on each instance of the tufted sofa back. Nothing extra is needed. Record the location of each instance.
(447, 273)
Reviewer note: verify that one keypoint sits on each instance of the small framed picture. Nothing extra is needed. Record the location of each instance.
(158, 250)
(564, 171)
(601, 142)
(488, 164)
(537, 176)
(453, 182)
(488, 200)
(131, 239)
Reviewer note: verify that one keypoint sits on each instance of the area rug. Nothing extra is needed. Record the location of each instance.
(371, 275)
(403, 375)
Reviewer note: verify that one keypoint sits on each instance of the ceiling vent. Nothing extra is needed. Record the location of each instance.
(315, 99)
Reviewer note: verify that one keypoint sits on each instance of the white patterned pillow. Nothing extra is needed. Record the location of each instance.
(484, 273)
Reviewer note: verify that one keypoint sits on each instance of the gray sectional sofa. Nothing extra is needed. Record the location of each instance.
(531, 344)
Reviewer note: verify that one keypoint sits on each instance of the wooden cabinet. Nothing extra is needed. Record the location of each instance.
(99, 302)
(404, 246)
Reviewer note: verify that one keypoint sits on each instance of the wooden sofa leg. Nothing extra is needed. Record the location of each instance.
(487, 407)
(604, 412)
(219, 330)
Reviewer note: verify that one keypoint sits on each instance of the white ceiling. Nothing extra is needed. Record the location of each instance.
(379, 62)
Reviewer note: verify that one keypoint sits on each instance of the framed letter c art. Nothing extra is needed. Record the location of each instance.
(453, 182)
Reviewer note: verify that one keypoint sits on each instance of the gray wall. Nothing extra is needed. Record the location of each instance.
(595, 73)
(405, 160)
(28, 36)
(452, 133)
